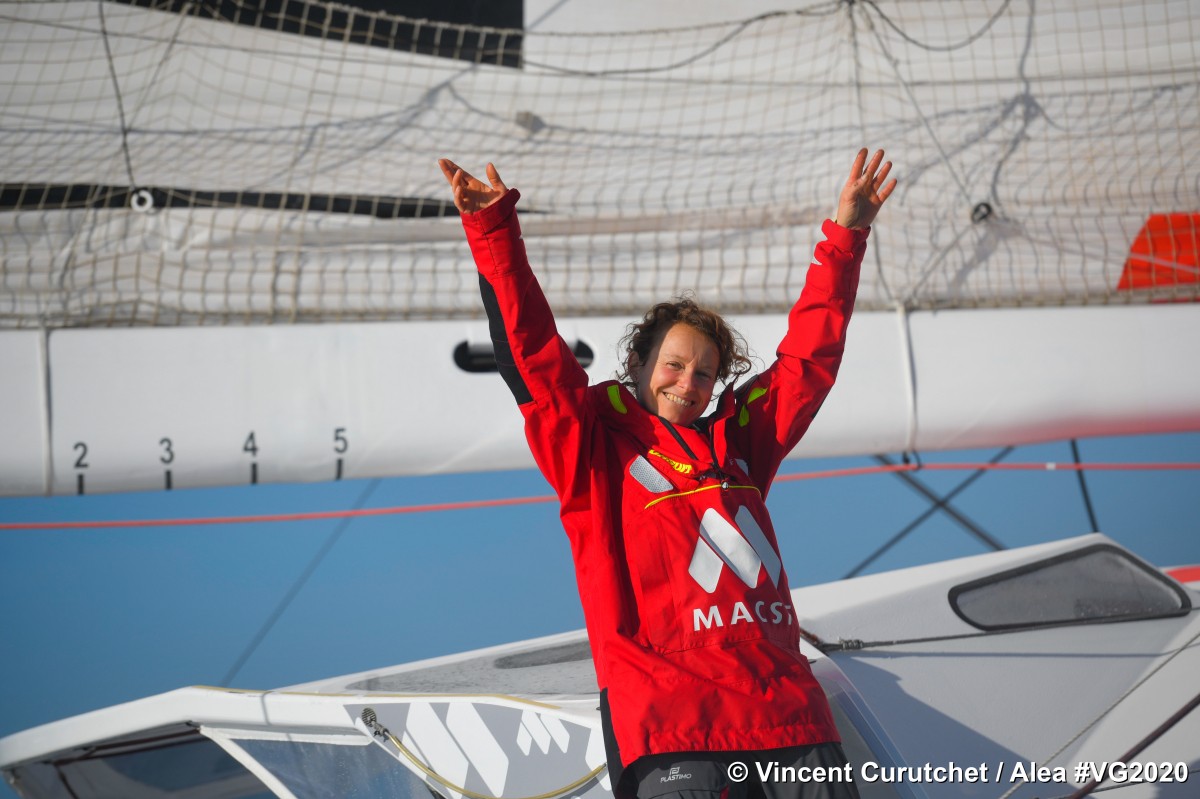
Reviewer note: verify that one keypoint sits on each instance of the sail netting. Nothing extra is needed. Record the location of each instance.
(239, 162)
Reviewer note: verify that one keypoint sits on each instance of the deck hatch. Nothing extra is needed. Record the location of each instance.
(148, 767)
(1094, 584)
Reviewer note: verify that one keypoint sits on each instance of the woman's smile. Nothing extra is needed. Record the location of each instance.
(679, 376)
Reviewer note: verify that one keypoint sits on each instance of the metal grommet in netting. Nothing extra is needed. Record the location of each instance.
(142, 201)
(980, 212)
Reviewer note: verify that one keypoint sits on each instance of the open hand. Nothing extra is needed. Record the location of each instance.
(470, 194)
(862, 196)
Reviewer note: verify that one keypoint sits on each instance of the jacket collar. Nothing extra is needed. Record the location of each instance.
(702, 444)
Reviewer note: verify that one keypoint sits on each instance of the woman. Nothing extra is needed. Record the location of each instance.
(687, 605)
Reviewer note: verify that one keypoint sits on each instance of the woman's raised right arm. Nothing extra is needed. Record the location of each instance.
(546, 380)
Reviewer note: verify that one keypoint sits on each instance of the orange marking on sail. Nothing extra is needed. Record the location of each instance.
(1165, 253)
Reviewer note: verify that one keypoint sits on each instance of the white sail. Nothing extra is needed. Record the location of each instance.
(242, 169)
(227, 256)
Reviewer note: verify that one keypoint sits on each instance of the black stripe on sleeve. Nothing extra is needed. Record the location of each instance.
(504, 357)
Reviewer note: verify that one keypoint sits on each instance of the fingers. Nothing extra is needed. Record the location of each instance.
(454, 172)
(494, 178)
(458, 182)
(454, 176)
(457, 179)
(874, 165)
(448, 168)
(887, 191)
(865, 191)
(872, 176)
(860, 160)
(880, 178)
(883, 173)
(470, 195)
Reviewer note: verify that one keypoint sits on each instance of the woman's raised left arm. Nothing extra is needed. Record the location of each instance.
(775, 409)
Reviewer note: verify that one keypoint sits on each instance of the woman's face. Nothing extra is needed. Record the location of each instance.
(679, 375)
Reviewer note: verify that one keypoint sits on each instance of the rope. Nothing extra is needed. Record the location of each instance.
(284, 603)
(940, 48)
(433, 775)
(935, 506)
(112, 73)
(1087, 499)
(1105, 713)
(943, 503)
(855, 644)
(280, 517)
(1048, 466)
(1157, 733)
(825, 9)
(895, 64)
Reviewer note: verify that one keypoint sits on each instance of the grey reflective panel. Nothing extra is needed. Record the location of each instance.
(1092, 585)
(320, 771)
(650, 478)
(193, 767)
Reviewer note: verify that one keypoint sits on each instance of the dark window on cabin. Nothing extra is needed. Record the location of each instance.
(173, 765)
(1100, 583)
(443, 28)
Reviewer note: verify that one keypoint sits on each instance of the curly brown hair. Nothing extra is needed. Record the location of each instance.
(641, 337)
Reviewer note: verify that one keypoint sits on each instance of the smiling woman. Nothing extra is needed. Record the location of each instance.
(677, 354)
(658, 499)
(676, 382)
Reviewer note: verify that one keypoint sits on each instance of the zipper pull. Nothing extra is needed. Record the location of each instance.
(717, 471)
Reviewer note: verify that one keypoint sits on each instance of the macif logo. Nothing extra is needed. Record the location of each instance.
(746, 551)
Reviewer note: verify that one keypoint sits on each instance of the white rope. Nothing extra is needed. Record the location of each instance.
(1104, 714)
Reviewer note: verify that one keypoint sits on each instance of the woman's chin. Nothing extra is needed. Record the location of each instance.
(679, 416)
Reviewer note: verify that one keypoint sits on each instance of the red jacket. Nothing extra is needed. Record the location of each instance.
(687, 604)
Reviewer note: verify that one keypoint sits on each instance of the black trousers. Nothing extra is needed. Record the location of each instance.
(819, 771)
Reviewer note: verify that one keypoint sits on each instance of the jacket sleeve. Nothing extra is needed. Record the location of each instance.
(774, 410)
(541, 371)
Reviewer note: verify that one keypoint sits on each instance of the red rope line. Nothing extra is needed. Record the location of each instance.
(280, 517)
(510, 501)
(1049, 466)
